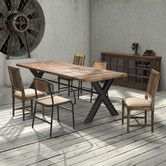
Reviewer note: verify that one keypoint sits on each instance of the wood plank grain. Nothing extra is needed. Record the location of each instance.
(76, 72)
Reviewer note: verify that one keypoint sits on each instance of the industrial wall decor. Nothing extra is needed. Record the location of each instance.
(22, 25)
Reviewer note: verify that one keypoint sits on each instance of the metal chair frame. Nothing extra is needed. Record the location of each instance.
(47, 87)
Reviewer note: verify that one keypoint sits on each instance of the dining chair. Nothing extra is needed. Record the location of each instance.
(49, 100)
(79, 59)
(142, 104)
(19, 92)
(97, 65)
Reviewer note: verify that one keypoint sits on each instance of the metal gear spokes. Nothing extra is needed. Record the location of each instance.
(22, 25)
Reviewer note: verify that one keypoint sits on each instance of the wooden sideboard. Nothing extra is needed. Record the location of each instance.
(136, 66)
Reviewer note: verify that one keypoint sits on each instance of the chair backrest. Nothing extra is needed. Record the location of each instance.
(153, 84)
(15, 78)
(99, 65)
(42, 85)
(79, 59)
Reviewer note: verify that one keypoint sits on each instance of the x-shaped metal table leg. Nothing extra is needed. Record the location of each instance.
(102, 97)
(37, 74)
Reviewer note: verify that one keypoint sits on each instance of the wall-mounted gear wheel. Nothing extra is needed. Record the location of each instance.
(22, 26)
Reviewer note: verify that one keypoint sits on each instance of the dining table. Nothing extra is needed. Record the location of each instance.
(80, 73)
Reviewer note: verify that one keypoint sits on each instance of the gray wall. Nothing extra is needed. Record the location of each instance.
(67, 29)
(115, 24)
(66, 32)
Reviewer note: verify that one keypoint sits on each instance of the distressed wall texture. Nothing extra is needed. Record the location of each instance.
(66, 32)
(115, 24)
(67, 29)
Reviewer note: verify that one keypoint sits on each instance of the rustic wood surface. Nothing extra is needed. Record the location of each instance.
(76, 72)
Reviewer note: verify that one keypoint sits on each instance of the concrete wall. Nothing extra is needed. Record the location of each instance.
(115, 24)
(66, 32)
(67, 29)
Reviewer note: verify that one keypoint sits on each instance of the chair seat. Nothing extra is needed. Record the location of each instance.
(137, 102)
(50, 100)
(29, 93)
(146, 104)
(46, 100)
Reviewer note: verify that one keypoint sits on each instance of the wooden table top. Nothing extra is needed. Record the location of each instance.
(76, 72)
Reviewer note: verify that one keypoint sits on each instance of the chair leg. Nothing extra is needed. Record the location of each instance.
(74, 96)
(122, 113)
(23, 109)
(128, 119)
(43, 110)
(73, 115)
(13, 105)
(72, 90)
(79, 86)
(58, 83)
(58, 114)
(31, 107)
(34, 112)
(152, 120)
(69, 83)
(51, 121)
(145, 117)
(91, 94)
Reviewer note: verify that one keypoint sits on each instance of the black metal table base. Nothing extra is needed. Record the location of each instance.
(102, 97)
(37, 74)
